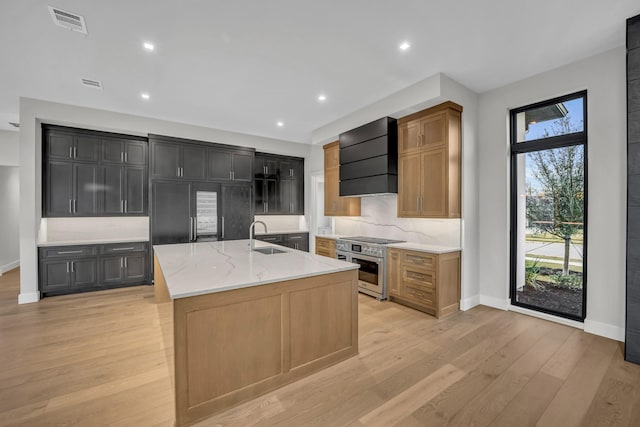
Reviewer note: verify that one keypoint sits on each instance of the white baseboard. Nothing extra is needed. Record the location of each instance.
(499, 303)
(469, 303)
(604, 330)
(545, 316)
(10, 266)
(28, 298)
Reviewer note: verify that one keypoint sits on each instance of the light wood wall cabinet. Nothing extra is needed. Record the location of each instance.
(325, 247)
(334, 205)
(424, 281)
(429, 163)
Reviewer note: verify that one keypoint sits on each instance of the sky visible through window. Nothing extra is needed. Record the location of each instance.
(575, 123)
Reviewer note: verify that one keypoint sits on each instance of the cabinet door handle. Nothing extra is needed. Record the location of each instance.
(70, 205)
(71, 152)
(121, 156)
(126, 207)
(123, 249)
(72, 266)
(267, 207)
(68, 269)
(121, 262)
(125, 262)
(177, 171)
(223, 228)
(75, 155)
(264, 206)
(122, 206)
(75, 206)
(190, 228)
(264, 170)
(126, 157)
(69, 252)
(290, 172)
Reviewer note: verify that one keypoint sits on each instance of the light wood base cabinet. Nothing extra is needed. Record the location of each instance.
(232, 346)
(424, 281)
(334, 205)
(429, 163)
(325, 247)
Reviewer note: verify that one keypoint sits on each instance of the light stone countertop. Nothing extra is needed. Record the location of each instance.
(420, 247)
(201, 268)
(71, 242)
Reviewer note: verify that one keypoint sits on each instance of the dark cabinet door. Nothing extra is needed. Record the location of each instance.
(84, 273)
(259, 166)
(135, 190)
(55, 275)
(112, 151)
(170, 212)
(272, 166)
(285, 191)
(85, 182)
(135, 267)
(165, 160)
(58, 186)
(297, 197)
(135, 153)
(242, 167)
(237, 212)
(219, 165)
(193, 162)
(112, 199)
(299, 241)
(297, 169)
(86, 148)
(259, 196)
(59, 145)
(111, 269)
(272, 197)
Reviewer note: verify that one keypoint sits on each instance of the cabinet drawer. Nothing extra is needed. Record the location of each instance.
(67, 251)
(420, 259)
(270, 238)
(323, 252)
(419, 278)
(420, 295)
(123, 247)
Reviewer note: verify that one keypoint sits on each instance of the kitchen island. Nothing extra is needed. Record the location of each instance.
(247, 322)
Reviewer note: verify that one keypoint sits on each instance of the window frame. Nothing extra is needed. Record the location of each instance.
(548, 143)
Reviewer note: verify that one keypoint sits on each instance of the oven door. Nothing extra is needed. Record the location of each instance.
(371, 273)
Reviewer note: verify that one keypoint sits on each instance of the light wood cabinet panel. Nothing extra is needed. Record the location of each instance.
(394, 272)
(424, 281)
(325, 247)
(410, 181)
(430, 187)
(334, 205)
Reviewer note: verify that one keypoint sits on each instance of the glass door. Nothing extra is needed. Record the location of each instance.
(205, 197)
(548, 206)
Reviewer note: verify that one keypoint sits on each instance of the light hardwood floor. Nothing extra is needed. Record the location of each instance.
(104, 358)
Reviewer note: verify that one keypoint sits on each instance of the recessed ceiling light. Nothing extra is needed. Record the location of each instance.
(145, 95)
(280, 124)
(149, 46)
(322, 98)
(404, 46)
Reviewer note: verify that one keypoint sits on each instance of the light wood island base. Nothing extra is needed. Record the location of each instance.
(232, 346)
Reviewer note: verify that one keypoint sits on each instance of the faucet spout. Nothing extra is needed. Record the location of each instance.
(251, 228)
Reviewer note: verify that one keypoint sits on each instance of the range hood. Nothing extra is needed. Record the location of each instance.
(369, 159)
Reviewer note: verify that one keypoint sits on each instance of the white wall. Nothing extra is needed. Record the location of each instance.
(603, 76)
(9, 148)
(34, 112)
(9, 218)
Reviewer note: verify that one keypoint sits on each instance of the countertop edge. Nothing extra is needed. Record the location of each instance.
(259, 283)
(91, 242)
(421, 247)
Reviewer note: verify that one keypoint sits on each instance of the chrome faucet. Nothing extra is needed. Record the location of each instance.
(251, 227)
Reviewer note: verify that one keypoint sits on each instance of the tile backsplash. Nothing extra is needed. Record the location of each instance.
(379, 219)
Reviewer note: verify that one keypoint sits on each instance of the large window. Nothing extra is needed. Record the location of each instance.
(549, 206)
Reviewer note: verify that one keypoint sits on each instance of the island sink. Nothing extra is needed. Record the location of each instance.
(269, 250)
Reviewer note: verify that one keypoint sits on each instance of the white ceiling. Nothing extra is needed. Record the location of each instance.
(243, 65)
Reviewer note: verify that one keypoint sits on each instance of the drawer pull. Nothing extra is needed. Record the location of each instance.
(70, 252)
(123, 249)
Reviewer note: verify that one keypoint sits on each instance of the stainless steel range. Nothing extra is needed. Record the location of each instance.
(370, 253)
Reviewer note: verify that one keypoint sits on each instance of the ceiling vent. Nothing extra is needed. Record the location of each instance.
(68, 20)
(96, 84)
(14, 124)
